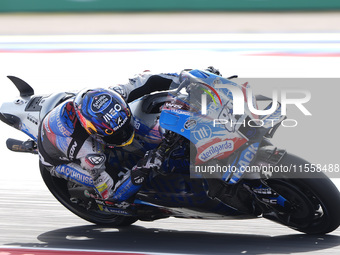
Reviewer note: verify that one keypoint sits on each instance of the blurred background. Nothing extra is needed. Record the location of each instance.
(58, 45)
(152, 16)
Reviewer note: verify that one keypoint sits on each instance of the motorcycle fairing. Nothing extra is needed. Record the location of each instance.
(182, 194)
(174, 120)
(23, 87)
(26, 112)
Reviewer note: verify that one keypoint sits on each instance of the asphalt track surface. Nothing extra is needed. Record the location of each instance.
(31, 218)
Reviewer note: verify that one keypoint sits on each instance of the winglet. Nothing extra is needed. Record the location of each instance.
(24, 89)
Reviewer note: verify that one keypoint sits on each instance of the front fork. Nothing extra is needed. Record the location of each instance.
(266, 197)
(268, 157)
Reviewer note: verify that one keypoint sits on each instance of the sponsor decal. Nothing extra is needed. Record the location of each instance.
(72, 150)
(73, 174)
(61, 127)
(118, 107)
(177, 111)
(216, 149)
(122, 205)
(189, 124)
(32, 119)
(95, 159)
(136, 125)
(248, 155)
(262, 190)
(172, 105)
(101, 187)
(100, 103)
(138, 179)
(115, 210)
(112, 113)
(109, 116)
(120, 122)
(124, 190)
(202, 132)
(245, 159)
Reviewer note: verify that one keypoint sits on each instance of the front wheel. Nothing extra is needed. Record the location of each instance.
(314, 199)
(59, 188)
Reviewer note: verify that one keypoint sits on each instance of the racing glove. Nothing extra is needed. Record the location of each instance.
(152, 160)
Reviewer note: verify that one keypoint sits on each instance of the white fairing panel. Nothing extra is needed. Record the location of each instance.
(31, 110)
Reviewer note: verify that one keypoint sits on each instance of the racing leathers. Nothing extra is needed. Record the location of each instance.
(69, 152)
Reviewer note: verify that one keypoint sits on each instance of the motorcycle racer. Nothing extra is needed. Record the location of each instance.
(73, 136)
(301, 203)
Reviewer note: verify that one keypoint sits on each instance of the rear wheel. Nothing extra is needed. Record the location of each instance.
(313, 198)
(59, 188)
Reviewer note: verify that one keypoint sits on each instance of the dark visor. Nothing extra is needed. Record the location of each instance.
(121, 136)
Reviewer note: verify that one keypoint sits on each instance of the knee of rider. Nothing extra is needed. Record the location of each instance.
(53, 171)
(94, 164)
(104, 179)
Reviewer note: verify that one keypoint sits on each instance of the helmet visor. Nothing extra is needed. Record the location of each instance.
(121, 138)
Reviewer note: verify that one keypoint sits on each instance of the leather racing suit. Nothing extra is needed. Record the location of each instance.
(69, 152)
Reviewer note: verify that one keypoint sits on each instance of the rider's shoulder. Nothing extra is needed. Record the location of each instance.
(63, 117)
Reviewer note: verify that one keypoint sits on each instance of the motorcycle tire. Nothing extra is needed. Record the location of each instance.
(315, 197)
(58, 188)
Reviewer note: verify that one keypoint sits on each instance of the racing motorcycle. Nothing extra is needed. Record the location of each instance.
(217, 165)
